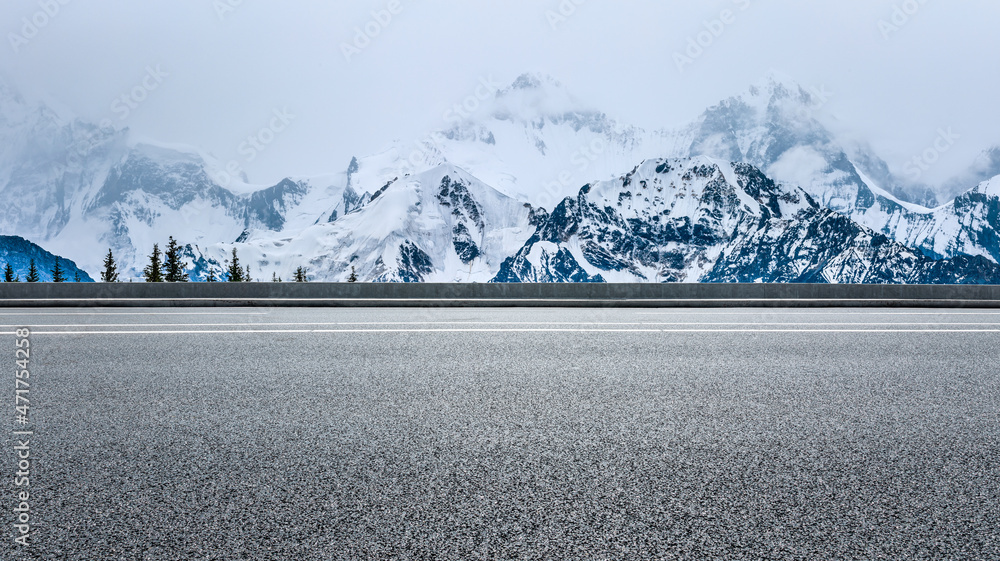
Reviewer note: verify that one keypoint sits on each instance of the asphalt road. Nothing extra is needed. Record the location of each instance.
(508, 434)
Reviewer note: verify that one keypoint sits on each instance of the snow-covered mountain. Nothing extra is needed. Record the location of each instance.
(531, 140)
(984, 168)
(47, 164)
(442, 225)
(775, 125)
(968, 225)
(80, 189)
(535, 142)
(462, 204)
(700, 220)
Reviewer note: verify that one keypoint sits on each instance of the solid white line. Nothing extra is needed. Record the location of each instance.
(794, 312)
(388, 330)
(798, 312)
(471, 323)
(672, 312)
(332, 331)
(29, 313)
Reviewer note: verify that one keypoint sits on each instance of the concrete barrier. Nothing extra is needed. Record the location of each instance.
(500, 295)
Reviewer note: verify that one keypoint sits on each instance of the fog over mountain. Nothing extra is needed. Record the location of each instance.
(532, 187)
(357, 75)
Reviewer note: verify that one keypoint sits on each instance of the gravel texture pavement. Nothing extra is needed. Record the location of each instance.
(510, 434)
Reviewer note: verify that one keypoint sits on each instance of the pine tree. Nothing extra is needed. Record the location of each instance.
(154, 271)
(58, 274)
(235, 271)
(211, 275)
(110, 273)
(8, 274)
(275, 277)
(32, 272)
(172, 265)
(300, 275)
(354, 275)
(77, 277)
(247, 277)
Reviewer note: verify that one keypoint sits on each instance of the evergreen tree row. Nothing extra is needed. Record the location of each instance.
(168, 266)
(58, 273)
(164, 266)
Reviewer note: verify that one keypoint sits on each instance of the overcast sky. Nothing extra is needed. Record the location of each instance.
(226, 65)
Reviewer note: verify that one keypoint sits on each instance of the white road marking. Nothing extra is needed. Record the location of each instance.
(671, 312)
(472, 323)
(497, 330)
(30, 313)
(832, 312)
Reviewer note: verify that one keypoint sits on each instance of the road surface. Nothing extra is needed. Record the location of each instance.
(519, 433)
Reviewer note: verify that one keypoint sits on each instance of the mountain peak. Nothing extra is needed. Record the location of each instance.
(533, 97)
(533, 81)
(777, 89)
(8, 92)
(777, 81)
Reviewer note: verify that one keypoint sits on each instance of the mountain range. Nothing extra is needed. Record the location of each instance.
(535, 186)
